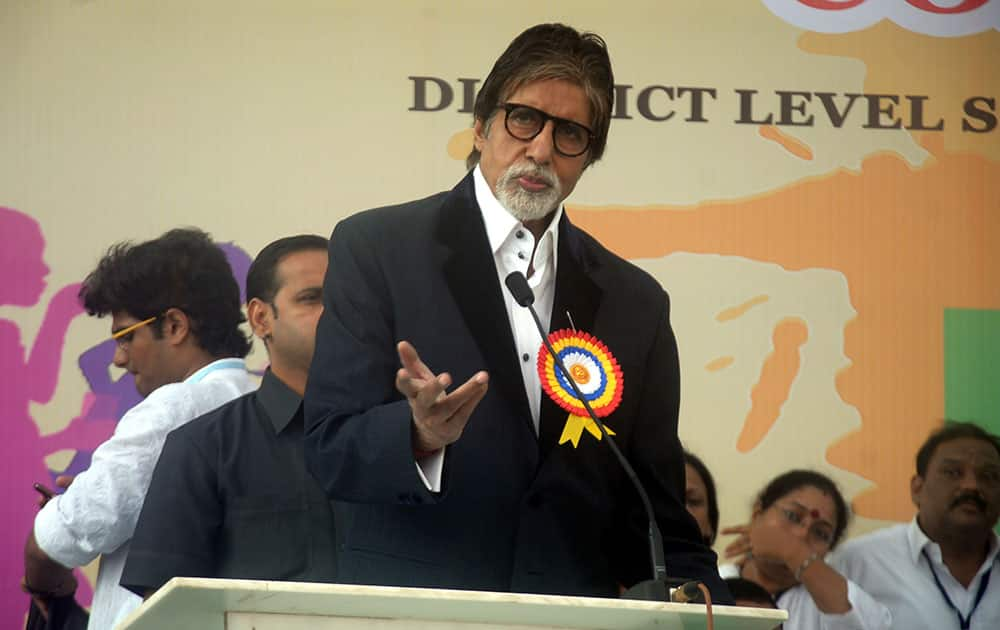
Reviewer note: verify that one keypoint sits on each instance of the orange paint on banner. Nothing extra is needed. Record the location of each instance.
(776, 377)
(719, 364)
(460, 144)
(793, 145)
(739, 310)
(910, 242)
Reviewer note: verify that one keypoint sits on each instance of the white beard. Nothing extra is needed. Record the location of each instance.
(525, 205)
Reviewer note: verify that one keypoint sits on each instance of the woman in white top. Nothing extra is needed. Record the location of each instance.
(798, 518)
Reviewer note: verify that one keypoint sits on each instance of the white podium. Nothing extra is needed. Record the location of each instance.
(204, 604)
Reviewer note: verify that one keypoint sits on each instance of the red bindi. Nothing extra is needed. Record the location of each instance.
(814, 514)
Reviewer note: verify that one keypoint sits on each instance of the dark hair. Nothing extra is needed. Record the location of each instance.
(553, 51)
(710, 496)
(262, 277)
(952, 431)
(744, 589)
(182, 269)
(795, 479)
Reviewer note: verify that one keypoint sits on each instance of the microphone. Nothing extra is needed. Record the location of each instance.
(656, 589)
(522, 293)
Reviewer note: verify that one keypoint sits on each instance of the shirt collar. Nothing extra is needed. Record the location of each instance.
(917, 540)
(281, 403)
(500, 223)
(231, 363)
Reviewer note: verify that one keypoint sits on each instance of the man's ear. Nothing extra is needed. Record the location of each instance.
(757, 510)
(259, 315)
(916, 485)
(479, 134)
(176, 326)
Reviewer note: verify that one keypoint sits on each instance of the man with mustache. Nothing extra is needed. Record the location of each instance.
(941, 570)
(471, 486)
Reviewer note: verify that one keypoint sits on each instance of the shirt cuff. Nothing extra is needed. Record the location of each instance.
(429, 469)
(56, 540)
(865, 612)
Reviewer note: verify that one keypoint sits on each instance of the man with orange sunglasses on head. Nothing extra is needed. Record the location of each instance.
(175, 310)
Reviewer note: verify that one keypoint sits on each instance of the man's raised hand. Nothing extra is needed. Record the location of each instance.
(439, 417)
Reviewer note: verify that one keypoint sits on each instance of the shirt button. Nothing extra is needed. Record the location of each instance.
(521, 255)
(526, 357)
(519, 234)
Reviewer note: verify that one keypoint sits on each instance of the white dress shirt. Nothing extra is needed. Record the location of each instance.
(98, 512)
(865, 613)
(514, 248)
(890, 565)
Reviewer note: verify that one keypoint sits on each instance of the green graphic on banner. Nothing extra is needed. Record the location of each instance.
(972, 367)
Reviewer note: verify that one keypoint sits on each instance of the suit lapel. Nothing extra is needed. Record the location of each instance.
(471, 275)
(577, 294)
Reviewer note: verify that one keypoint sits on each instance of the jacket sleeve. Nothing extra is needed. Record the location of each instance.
(358, 427)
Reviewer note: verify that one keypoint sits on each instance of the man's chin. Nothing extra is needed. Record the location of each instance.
(141, 387)
(970, 518)
(532, 208)
(528, 217)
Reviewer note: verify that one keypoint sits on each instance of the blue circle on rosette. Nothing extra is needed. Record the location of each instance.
(597, 393)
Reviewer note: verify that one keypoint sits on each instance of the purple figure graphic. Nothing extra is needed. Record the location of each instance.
(23, 448)
(239, 262)
(28, 376)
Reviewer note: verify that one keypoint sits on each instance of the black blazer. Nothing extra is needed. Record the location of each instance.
(516, 512)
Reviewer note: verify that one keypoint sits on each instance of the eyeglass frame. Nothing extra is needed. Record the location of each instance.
(793, 514)
(508, 107)
(124, 336)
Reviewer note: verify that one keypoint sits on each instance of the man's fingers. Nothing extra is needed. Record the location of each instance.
(735, 529)
(471, 390)
(431, 392)
(411, 362)
(465, 409)
(406, 384)
(441, 406)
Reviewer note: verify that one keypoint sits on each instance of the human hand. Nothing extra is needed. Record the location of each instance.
(739, 549)
(774, 539)
(62, 481)
(66, 587)
(438, 417)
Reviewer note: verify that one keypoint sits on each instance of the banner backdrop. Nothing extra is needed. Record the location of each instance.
(815, 182)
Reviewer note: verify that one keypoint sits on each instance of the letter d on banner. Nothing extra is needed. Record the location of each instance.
(420, 94)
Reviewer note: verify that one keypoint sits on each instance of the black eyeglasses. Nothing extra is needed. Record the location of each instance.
(569, 138)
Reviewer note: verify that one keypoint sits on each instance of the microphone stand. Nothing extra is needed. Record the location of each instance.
(657, 588)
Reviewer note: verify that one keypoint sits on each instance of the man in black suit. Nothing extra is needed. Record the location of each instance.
(469, 487)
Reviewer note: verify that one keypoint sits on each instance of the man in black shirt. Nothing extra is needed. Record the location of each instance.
(230, 496)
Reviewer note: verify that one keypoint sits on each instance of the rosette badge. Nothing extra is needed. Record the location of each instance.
(595, 372)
